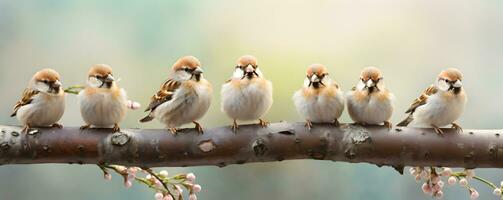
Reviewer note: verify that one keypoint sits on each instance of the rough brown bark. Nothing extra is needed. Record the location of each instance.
(398, 147)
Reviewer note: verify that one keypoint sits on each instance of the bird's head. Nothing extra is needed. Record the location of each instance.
(187, 68)
(100, 76)
(450, 80)
(46, 81)
(247, 67)
(371, 80)
(316, 75)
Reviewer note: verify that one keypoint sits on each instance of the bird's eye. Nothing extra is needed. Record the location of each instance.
(447, 81)
(187, 69)
(45, 81)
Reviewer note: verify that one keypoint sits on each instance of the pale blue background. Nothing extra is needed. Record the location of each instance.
(411, 41)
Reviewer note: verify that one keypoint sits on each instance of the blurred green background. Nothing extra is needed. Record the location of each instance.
(411, 41)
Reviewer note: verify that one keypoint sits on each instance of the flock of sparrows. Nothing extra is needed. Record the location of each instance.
(186, 96)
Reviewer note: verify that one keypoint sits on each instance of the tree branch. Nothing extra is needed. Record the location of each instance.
(398, 147)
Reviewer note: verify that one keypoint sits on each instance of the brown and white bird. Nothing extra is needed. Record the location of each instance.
(247, 95)
(439, 105)
(43, 101)
(321, 100)
(102, 103)
(370, 102)
(185, 97)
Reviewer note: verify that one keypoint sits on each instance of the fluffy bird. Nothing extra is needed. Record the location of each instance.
(43, 101)
(320, 100)
(440, 105)
(185, 97)
(102, 103)
(247, 95)
(370, 102)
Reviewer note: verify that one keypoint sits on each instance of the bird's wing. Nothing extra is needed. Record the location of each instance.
(27, 98)
(164, 94)
(421, 100)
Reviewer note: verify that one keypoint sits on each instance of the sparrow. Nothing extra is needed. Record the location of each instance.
(441, 104)
(369, 102)
(321, 100)
(42, 103)
(185, 97)
(247, 95)
(102, 103)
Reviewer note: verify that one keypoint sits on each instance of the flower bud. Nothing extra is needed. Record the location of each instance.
(191, 177)
(497, 192)
(463, 182)
(452, 180)
(164, 173)
(474, 194)
(426, 188)
(439, 195)
(447, 172)
(107, 177)
(128, 184)
(196, 188)
(158, 196)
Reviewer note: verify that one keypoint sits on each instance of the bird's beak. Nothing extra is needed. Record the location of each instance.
(249, 69)
(457, 84)
(315, 78)
(56, 84)
(109, 79)
(198, 71)
(369, 83)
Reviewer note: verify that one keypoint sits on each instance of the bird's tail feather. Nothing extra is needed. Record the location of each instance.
(406, 121)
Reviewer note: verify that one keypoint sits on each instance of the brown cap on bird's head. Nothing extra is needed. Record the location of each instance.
(372, 73)
(317, 69)
(451, 74)
(190, 62)
(246, 60)
(46, 75)
(100, 70)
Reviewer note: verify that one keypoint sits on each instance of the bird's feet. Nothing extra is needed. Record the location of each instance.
(263, 123)
(173, 131)
(308, 124)
(26, 129)
(234, 126)
(457, 127)
(337, 123)
(85, 126)
(56, 125)
(388, 124)
(437, 129)
(198, 127)
(116, 128)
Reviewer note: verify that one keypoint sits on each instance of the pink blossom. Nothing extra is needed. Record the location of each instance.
(497, 192)
(463, 182)
(439, 195)
(168, 197)
(164, 173)
(192, 197)
(107, 177)
(196, 188)
(159, 196)
(447, 172)
(452, 180)
(426, 188)
(425, 174)
(191, 177)
(128, 184)
(441, 184)
(474, 194)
